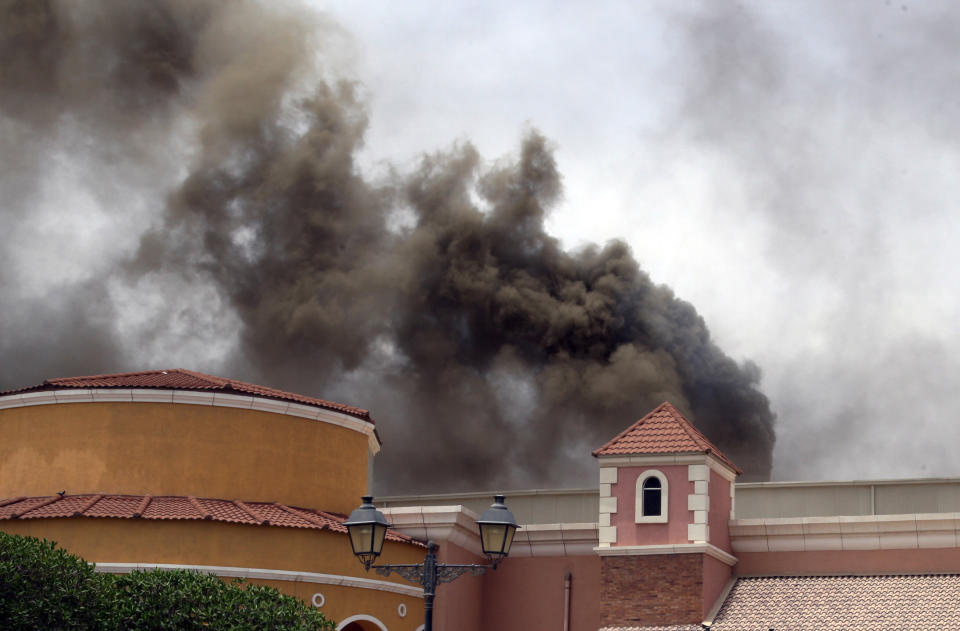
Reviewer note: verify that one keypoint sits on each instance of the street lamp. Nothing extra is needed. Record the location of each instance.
(497, 526)
(368, 527)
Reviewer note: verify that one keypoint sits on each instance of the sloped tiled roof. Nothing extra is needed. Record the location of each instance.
(180, 379)
(675, 627)
(170, 507)
(662, 431)
(834, 603)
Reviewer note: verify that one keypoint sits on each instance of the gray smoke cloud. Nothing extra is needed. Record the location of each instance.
(489, 354)
(837, 126)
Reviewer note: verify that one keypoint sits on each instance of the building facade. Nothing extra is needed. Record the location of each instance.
(180, 469)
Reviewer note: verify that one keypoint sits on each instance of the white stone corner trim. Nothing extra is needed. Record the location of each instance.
(698, 533)
(265, 574)
(698, 503)
(608, 505)
(608, 475)
(606, 535)
(697, 472)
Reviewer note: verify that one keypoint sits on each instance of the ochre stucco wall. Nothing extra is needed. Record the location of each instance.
(344, 602)
(234, 545)
(181, 449)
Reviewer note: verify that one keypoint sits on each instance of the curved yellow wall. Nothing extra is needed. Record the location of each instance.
(234, 545)
(181, 449)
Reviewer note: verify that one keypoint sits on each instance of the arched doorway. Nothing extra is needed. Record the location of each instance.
(361, 622)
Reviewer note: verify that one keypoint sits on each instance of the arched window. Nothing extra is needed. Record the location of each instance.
(652, 494)
(651, 497)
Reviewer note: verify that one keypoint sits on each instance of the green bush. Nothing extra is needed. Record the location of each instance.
(162, 600)
(46, 588)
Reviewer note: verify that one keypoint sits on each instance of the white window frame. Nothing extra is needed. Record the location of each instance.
(639, 517)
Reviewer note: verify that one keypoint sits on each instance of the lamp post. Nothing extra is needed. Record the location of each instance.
(368, 527)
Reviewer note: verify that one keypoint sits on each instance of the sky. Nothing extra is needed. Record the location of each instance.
(788, 168)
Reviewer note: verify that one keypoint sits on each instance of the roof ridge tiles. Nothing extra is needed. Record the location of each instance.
(141, 509)
(218, 381)
(12, 500)
(50, 500)
(254, 513)
(200, 508)
(313, 519)
(90, 503)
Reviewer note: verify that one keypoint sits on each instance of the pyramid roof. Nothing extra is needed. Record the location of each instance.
(663, 431)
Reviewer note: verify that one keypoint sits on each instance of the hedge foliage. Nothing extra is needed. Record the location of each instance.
(43, 588)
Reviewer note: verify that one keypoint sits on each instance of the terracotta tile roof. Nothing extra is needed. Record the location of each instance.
(662, 431)
(828, 603)
(674, 627)
(165, 507)
(180, 379)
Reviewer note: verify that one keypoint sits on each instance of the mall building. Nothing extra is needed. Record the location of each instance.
(177, 469)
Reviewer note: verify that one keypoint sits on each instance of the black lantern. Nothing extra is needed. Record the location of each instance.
(497, 526)
(367, 527)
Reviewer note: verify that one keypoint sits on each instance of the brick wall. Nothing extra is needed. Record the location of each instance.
(652, 590)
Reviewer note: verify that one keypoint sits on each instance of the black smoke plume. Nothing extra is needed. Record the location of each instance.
(490, 356)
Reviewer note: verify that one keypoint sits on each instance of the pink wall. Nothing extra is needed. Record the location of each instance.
(458, 605)
(841, 561)
(630, 533)
(526, 594)
(716, 575)
(718, 516)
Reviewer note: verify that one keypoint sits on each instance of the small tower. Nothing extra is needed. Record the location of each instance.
(666, 499)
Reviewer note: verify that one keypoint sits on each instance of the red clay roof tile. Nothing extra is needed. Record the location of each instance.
(21, 507)
(180, 379)
(662, 431)
(832, 603)
(176, 507)
(120, 506)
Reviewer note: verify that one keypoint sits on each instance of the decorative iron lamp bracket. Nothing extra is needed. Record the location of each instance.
(430, 572)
